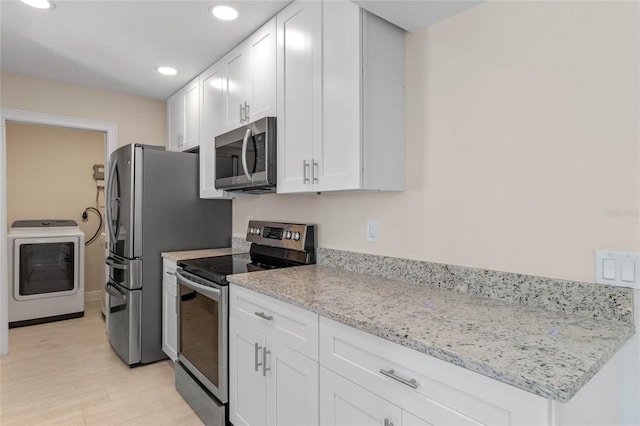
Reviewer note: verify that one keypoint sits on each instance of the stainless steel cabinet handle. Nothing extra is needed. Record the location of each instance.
(265, 352)
(241, 110)
(257, 347)
(263, 315)
(388, 422)
(246, 111)
(314, 171)
(305, 167)
(171, 273)
(392, 374)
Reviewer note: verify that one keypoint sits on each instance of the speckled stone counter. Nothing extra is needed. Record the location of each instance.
(194, 254)
(552, 354)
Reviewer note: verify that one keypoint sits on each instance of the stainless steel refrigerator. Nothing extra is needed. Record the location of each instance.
(152, 206)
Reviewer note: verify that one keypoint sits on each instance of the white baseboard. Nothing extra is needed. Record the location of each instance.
(94, 296)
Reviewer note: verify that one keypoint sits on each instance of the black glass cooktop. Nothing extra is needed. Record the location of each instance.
(217, 268)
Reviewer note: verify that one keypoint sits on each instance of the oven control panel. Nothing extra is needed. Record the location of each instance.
(294, 236)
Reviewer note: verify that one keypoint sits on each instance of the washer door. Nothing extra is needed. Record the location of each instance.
(45, 267)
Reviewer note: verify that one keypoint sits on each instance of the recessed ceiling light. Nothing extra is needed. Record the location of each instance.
(167, 70)
(226, 13)
(40, 4)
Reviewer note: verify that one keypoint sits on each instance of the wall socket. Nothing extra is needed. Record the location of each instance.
(618, 268)
(372, 230)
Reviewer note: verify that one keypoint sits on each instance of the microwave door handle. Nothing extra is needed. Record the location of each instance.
(245, 141)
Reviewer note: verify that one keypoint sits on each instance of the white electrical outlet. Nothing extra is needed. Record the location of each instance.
(618, 268)
(372, 230)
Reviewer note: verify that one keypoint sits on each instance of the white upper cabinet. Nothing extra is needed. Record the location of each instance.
(183, 118)
(299, 93)
(212, 117)
(340, 99)
(249, 79)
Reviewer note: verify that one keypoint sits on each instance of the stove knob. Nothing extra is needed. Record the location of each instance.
(257, 231)
(288, 235)
(296, 236)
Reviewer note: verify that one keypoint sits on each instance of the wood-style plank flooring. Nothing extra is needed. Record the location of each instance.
(65, 373)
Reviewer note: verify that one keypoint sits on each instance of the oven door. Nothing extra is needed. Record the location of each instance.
(245, 157)
(203, 332)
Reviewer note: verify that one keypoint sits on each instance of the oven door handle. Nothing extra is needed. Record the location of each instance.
(210, 292)
(245, 142)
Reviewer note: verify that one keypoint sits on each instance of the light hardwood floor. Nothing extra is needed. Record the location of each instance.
(65, 373)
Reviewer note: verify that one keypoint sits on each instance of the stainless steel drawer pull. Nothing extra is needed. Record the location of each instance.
(263, 315)
(257, 363)
(392, 374)
(265, 352)
(388, 422)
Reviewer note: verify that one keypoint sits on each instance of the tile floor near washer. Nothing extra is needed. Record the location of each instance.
(65, 373)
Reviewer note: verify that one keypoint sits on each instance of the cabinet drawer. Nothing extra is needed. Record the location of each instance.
(293, 326)
(434, 390)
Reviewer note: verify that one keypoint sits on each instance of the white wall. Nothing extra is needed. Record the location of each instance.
(139, 119)
(522, 145)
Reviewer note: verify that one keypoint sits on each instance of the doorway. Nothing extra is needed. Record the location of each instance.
(8, 116)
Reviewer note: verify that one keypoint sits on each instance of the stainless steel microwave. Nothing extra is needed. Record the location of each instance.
(246, 158)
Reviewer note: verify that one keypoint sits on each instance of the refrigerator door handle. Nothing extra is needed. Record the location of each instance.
(113, 233)
(110, 261)
(113, 291)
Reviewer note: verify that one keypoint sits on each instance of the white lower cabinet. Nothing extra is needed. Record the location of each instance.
(169, 312)
(271, 381)
(290, 367)
(343, 403)
(426, 390)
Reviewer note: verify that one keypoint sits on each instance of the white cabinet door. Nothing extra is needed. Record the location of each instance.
(191, 102)
(236, 66)
(169, 313)
(212, 113)
(338, 159)
(183, 118)
(292, 387)
(343, 403)
(261, 48)
(299, 93)
(247, 396)
(175, 122)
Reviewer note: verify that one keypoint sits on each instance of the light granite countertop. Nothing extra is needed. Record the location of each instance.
(551, 354)
(194, 254)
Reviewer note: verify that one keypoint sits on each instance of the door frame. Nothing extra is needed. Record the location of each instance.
(110, 130)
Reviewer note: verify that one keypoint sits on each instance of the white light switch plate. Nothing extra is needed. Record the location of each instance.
(372, 231)
(618, 268)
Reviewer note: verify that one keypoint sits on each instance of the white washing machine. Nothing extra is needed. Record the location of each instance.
(46, 271)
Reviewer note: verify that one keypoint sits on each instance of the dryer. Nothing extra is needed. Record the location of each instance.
(46, 271)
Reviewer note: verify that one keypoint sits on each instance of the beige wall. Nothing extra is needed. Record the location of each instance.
(139, 120)
(50, 176)
(522, 145)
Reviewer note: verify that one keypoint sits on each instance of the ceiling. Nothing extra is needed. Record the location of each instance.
(116, 45)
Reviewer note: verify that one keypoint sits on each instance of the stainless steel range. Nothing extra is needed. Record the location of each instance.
(202, 369)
